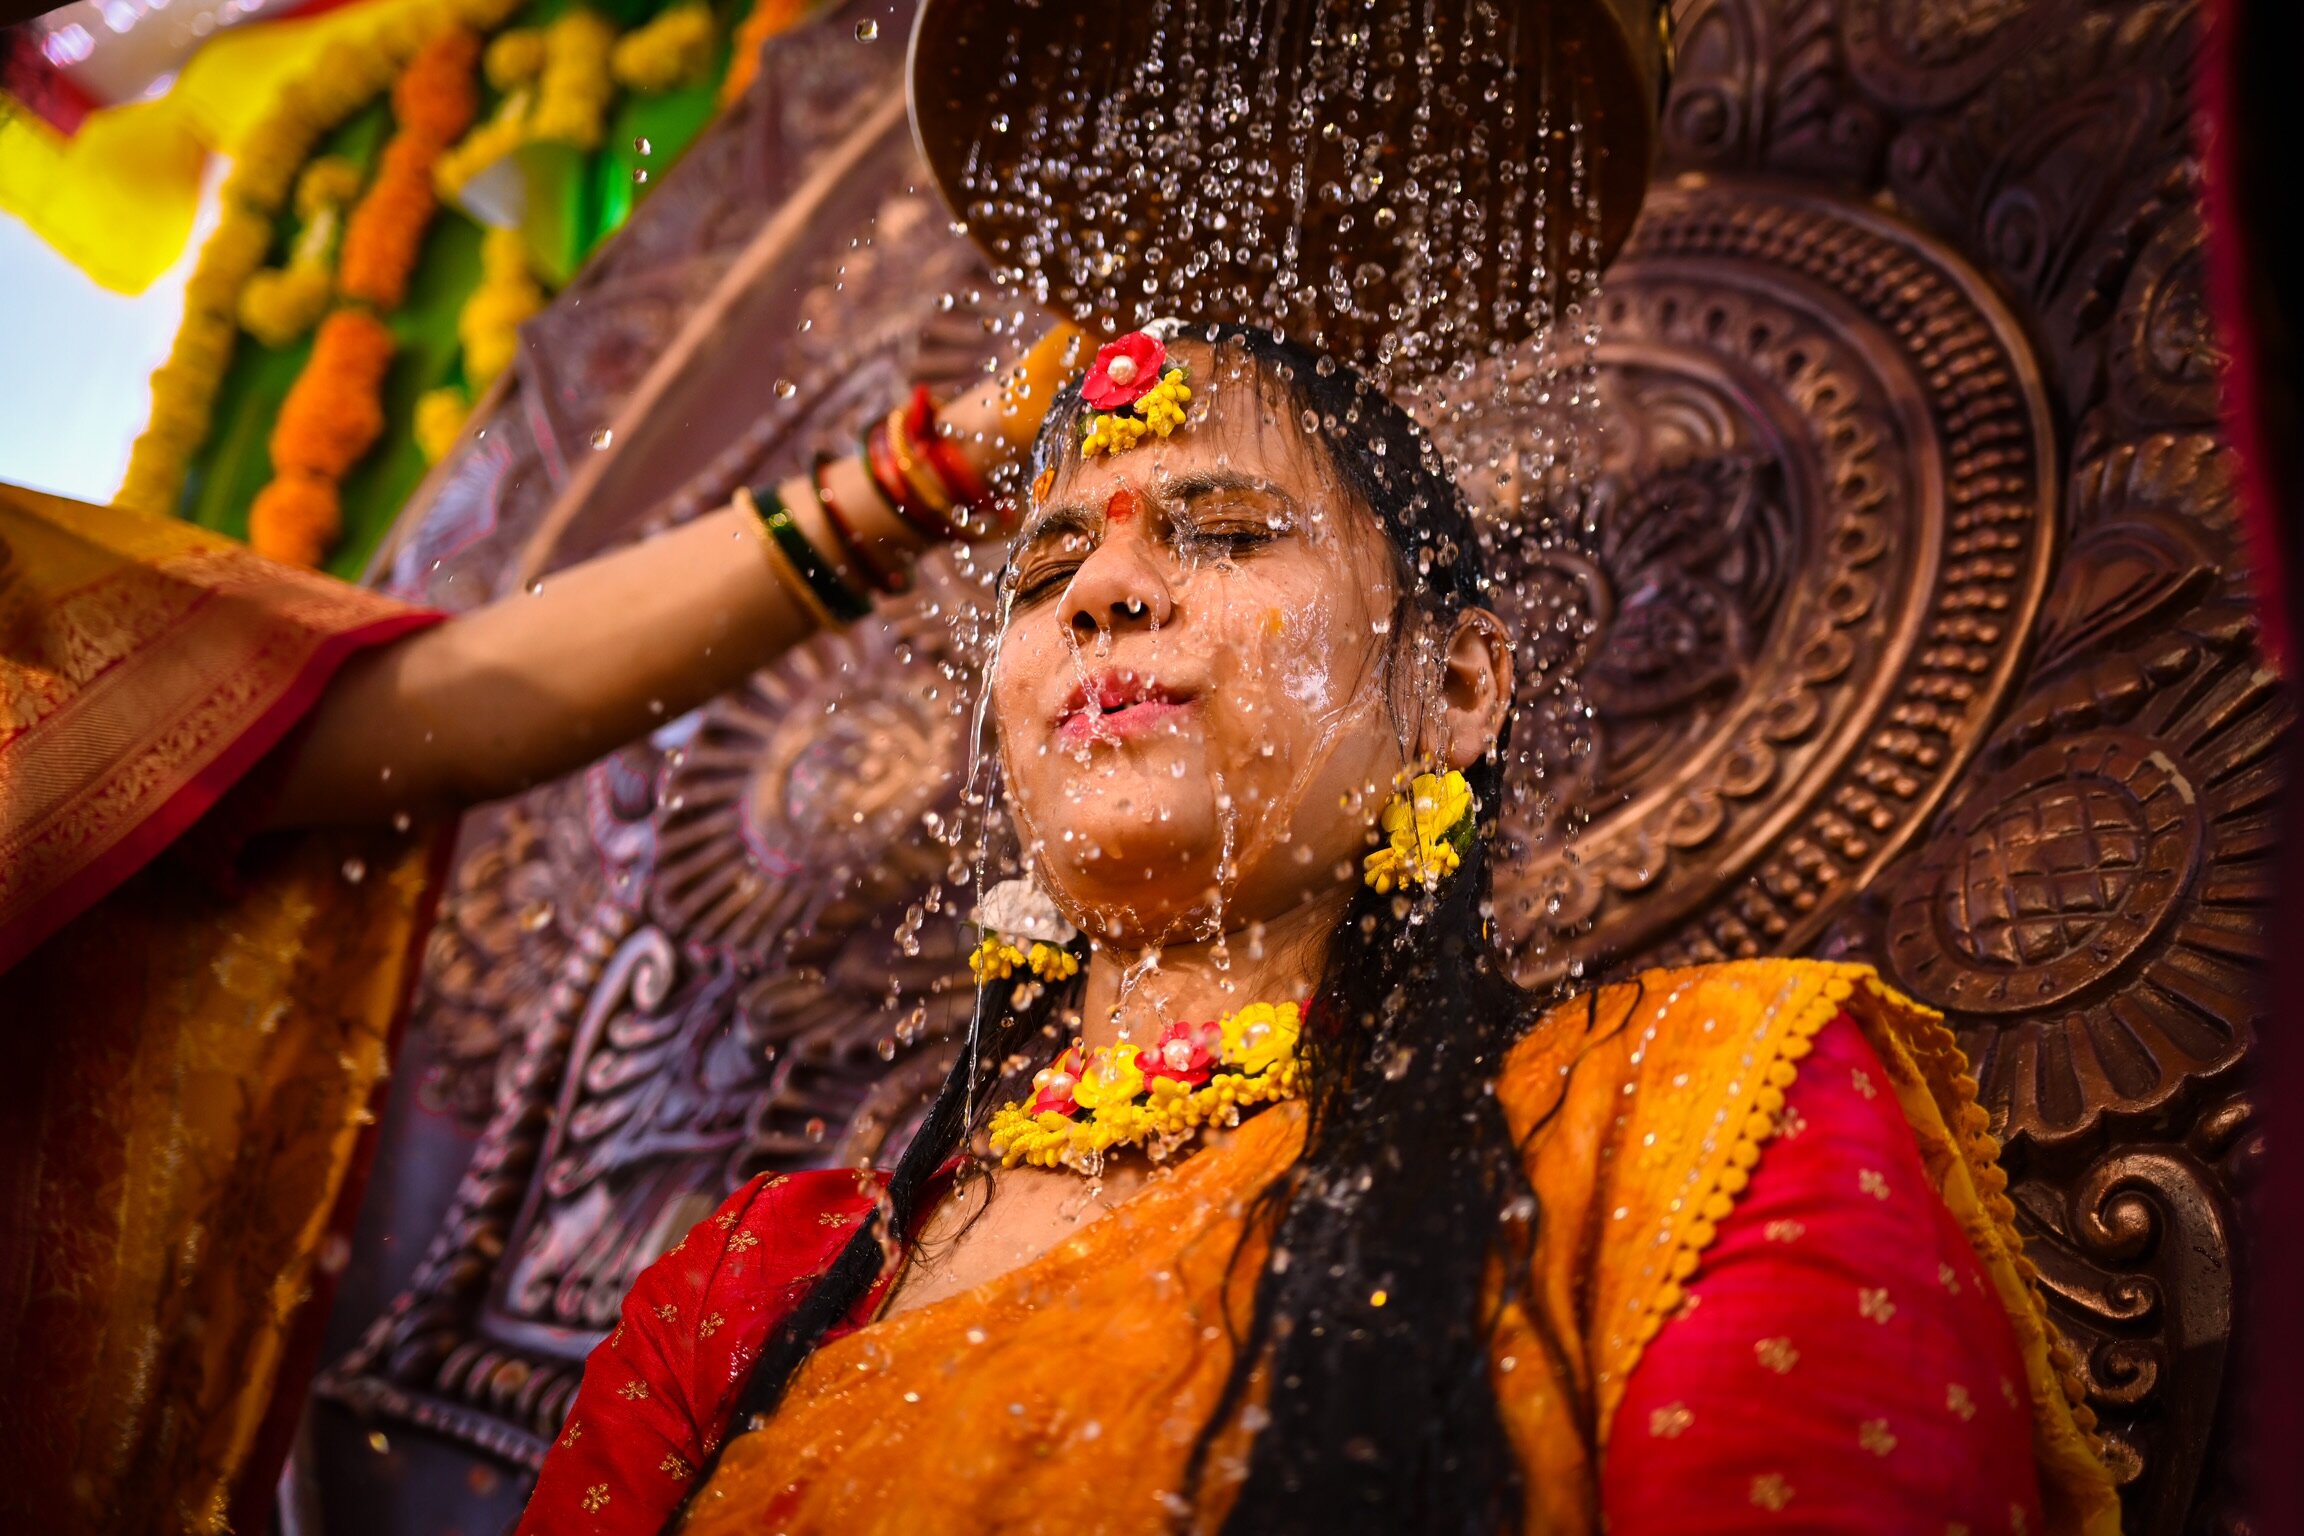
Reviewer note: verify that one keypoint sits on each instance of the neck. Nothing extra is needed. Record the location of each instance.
(1135, 992)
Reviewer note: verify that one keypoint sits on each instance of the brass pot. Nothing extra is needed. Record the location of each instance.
(1079, 145)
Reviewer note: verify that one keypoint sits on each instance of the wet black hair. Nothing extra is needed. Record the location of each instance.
(1372, 1317)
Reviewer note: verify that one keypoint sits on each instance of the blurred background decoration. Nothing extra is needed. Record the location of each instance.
(293, 242)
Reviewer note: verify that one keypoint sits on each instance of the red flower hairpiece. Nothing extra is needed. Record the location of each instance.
(1124, 371)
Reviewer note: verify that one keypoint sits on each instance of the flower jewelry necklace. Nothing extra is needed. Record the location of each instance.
(1157, 1096)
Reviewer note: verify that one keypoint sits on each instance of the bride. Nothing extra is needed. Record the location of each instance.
(1262, 1197)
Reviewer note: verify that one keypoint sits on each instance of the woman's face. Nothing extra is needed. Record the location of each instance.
(1191, 692)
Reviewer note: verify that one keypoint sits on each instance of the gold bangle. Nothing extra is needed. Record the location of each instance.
(922, 478)
(778, 564)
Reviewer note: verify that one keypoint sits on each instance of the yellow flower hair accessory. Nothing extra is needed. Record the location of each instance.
(1429, 827)
(1157, 1096)
(1132, 392)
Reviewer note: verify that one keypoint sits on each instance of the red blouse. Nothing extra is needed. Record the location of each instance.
(1779, 1359)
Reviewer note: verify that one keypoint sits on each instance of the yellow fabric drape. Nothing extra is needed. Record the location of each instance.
(118, 198)
(1066, 1395)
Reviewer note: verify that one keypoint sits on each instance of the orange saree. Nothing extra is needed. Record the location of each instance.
(187, 1061)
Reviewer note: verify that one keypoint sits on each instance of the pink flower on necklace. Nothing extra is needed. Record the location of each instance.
(1124, 371)
(1186, 1053)
(1053, 1084)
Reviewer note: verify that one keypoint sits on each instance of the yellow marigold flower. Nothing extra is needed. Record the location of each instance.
(281, 304)
(678, 48)
(574, 88)
(513, 57)
(1052, 963)
(995, 960)
(440, 417)
(330, 181)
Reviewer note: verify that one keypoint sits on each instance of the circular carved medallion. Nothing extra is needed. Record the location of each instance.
(1822, 529)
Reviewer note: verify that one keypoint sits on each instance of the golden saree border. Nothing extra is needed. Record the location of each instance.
(145, 666)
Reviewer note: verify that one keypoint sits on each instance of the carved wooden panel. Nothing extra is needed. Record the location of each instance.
(1920, 638)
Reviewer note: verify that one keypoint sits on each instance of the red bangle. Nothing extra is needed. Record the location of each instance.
(882, 578)
(888, 479)
(921, 424)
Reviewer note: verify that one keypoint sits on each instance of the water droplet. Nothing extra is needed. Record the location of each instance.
(815, 1128)
(355, 871)
(786, 389)
(867, 31)
(602, 438)
(641, 146)
(640, 176)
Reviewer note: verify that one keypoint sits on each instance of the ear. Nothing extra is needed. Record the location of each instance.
(1475, 688)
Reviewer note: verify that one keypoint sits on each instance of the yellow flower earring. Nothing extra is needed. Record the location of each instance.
(1429, 828)
(1022, 909)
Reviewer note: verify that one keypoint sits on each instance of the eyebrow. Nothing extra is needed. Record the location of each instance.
(1079, 517)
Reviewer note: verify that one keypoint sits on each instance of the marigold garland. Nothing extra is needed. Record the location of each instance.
(334, 412)
(331, 417)
(434, 101)
(489, 323)
(343, 79)
(677, 49)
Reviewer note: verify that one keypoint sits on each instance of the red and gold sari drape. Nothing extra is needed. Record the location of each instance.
(189, 1057)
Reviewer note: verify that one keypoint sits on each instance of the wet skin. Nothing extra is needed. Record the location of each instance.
(1201, 705)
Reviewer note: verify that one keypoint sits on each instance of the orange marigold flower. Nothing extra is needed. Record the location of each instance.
(332, 414)
(435, 101)
(437, 96)
(295, 519)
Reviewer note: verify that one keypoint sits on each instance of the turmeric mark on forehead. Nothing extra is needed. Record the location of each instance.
(1122, 505)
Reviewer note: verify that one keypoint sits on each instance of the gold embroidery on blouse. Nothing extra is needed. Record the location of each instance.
(1957, 1399)
(633, 1391)
(1770, 1491)
(667, 1313)
(1873, 1435)
(595, 1498)
(710, 1326)
(743, 1242)
(1863, 1082)
(834, 1219)
(1777, 1354)
(673, 1466)
(724, 1220)
(575, 1433)
(1872, 1184)
(1790, 1123)
(1948, 1278)
(1872, 1302)
(1784, 1231)
(1671, 1421)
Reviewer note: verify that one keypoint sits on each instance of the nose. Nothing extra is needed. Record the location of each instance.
(1117, 588)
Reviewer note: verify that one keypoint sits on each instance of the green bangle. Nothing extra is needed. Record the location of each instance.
(840, 600)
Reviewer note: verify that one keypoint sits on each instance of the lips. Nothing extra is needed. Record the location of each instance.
(1114, 705)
